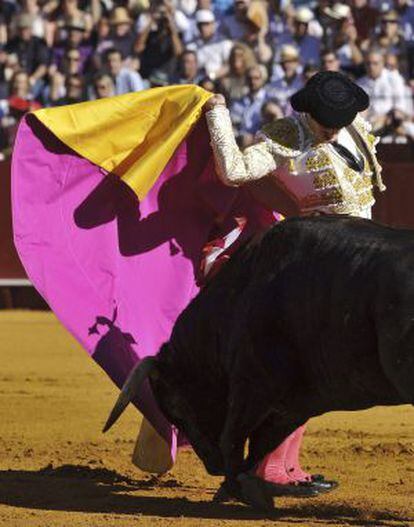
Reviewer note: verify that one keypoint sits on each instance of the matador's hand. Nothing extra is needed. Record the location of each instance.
(216, 100)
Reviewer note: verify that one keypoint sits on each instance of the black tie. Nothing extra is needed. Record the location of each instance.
(353, 162)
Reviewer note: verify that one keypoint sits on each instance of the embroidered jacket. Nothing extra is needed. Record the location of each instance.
(315, 175)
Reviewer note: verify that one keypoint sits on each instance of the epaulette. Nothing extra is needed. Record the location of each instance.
(286, 136)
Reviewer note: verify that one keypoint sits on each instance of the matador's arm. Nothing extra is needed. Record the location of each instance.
(234, 167)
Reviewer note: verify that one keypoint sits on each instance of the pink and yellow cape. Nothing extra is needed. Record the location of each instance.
(113, 201)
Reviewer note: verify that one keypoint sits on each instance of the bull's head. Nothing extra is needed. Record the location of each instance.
(130, 389)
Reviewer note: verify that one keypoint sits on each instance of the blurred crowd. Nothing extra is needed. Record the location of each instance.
(255, 52)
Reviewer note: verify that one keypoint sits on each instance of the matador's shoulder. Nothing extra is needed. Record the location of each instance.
(286, 135)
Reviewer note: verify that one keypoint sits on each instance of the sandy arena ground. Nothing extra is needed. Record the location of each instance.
(58, 470)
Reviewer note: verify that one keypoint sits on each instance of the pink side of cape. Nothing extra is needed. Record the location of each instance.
(116, 276)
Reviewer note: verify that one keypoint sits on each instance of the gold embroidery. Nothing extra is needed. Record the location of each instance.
(325, 179)
(353, 195)
(284, 132)
(363, 129)
(317, 160)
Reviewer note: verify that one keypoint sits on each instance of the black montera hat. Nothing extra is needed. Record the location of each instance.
(331, 99)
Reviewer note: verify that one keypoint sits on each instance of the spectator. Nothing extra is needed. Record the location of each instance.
(121, 34)
(309, 47)
(246, 112)
(255, 36)
(75, 30)
(332, 16)
(3, 79)
(159, 41)
(212, 51)
(55, 91)
(73, 91)
(365, 18)
(278, 20)
(158, 79)
(125, 80)
(31, 8)
(330, 61)
(405, 11)
(383, 96)
(234, 26)
(9, 65)
(389, 39)
(69, 10)
(233, 85)
(309, 71)
(220, 7)
(291, 79)
(31, 51)
(346, 42)
(19, 102)
(71, 62)
(271, 111)
(103, 86)
(7, 10)
(187, 69)
(398, 82)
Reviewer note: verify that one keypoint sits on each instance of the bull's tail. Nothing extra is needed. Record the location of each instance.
(130, 389)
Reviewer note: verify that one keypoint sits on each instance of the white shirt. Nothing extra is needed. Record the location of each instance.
(402, 93)
(181, 21)
(212, 55)
(380, 92)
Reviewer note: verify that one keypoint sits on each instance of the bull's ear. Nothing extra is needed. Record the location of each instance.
(129, 338)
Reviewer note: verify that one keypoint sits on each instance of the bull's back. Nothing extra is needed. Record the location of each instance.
(319, 292)
(308, 284)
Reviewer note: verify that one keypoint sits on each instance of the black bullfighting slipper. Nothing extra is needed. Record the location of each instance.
(299, 489)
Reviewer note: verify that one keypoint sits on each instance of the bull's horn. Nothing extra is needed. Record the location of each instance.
(130, 389)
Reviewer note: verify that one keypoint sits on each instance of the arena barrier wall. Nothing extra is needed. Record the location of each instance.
(11, 270)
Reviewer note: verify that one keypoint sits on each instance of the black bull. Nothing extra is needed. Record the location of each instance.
(315, 315)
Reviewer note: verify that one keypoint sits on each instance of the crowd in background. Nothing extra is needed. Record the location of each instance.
(256, 52)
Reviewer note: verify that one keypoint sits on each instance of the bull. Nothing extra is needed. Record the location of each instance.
(314, 315)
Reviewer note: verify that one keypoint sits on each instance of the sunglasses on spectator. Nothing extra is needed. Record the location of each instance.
(389, 21)
(72, 58)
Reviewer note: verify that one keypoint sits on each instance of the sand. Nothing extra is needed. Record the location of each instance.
(58, 470)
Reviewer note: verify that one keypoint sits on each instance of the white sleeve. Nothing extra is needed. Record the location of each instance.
(233, 166)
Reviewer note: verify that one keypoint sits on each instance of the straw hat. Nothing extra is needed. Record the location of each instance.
(390, 16)
(119, 16)
(288, 52)
(338, 11)
(204, 16)
(257, 15)
(74, 22)
(24, 20)
(303, 14)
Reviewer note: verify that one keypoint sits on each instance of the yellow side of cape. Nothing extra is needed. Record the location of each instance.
(133, 135)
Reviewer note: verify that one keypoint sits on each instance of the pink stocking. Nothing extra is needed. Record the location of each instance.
(293, 468)
(273, 466)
